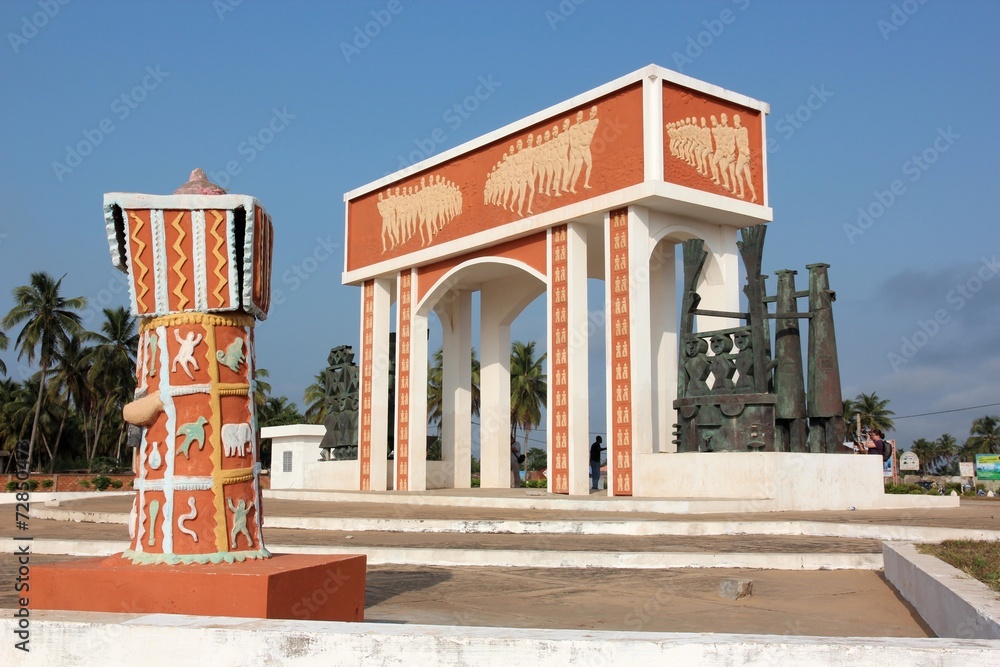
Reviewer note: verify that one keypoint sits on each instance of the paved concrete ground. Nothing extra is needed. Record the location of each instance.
(825, 603)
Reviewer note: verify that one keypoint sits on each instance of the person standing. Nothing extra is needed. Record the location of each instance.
(595, 462)
(515, 464)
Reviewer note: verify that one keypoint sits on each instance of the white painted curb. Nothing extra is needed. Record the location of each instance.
(77, 638)
(625, 560)
(950, 602)
(632, 528)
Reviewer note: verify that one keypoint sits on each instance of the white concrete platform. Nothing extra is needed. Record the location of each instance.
(633, 528)
(78, 638)
(543, 500)
(623, 560)
(950, 602)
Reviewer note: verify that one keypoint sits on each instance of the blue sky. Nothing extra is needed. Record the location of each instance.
(876, 107)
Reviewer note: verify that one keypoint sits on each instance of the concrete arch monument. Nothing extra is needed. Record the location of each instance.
(584, 189)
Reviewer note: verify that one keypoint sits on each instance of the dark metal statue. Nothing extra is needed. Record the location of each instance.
(341, 383)
(755, 403)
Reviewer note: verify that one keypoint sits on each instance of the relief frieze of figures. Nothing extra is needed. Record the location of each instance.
(716, 150)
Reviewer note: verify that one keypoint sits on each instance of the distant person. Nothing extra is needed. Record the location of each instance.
(515, 464)
(875, 443)
(595, 462)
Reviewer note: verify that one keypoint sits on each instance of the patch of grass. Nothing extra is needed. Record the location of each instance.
(978, 559)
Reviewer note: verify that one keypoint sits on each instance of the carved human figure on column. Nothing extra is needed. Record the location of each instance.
(697, 366)
(744, 362)
(723, 367)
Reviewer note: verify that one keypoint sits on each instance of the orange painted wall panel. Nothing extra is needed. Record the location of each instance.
(591, 150)
(691, 145)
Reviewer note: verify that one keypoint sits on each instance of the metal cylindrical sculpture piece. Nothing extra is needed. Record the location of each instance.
(199, 268)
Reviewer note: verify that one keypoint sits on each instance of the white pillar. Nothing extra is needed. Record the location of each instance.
(719, 286)
(456, 387)
(577, 360)
(500, 301)
(639, 334)
(494, 388)
(663, 339)
(417, 460)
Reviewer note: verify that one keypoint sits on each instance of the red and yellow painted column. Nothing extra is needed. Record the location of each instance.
(620, 383)
(199, 265)
(559, 346)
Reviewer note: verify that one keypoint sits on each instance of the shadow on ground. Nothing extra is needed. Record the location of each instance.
(386, 583)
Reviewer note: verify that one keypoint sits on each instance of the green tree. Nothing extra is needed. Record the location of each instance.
(850, 414)
(315, 399)
(536, 459)
(4, 342)
(113, 367)
(261, 391)
(925, 451)
(874, 412)
(435, 380)
(984, 438)
(49, 320)
(528, 389)
(945, 448)
(72, 382)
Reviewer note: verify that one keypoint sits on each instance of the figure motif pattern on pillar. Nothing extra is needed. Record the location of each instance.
(198, 449)
(558, 284)
(402, 454)
(199, 271)
(620, 453)
(367, 373)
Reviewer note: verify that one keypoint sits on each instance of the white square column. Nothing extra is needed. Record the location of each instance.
(577, 365)
(456, 387)
(494, 386)
(719, 286)
(663, 333)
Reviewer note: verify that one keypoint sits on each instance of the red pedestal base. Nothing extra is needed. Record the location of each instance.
(305, 587)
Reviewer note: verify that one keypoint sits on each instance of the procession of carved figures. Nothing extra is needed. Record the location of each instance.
(423, 209)
(548, 163)
(716, 151)
(621, 384)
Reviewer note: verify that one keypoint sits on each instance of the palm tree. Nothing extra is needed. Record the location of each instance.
(49, 320)
(528, 389)
(984, 438)
(945, 449)
(874, 411)
(4, 342)
(315, 399)
(113, 362)
(435, 379)
(924, 449)
(72, 381)
(850, 416)
(262, 390)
